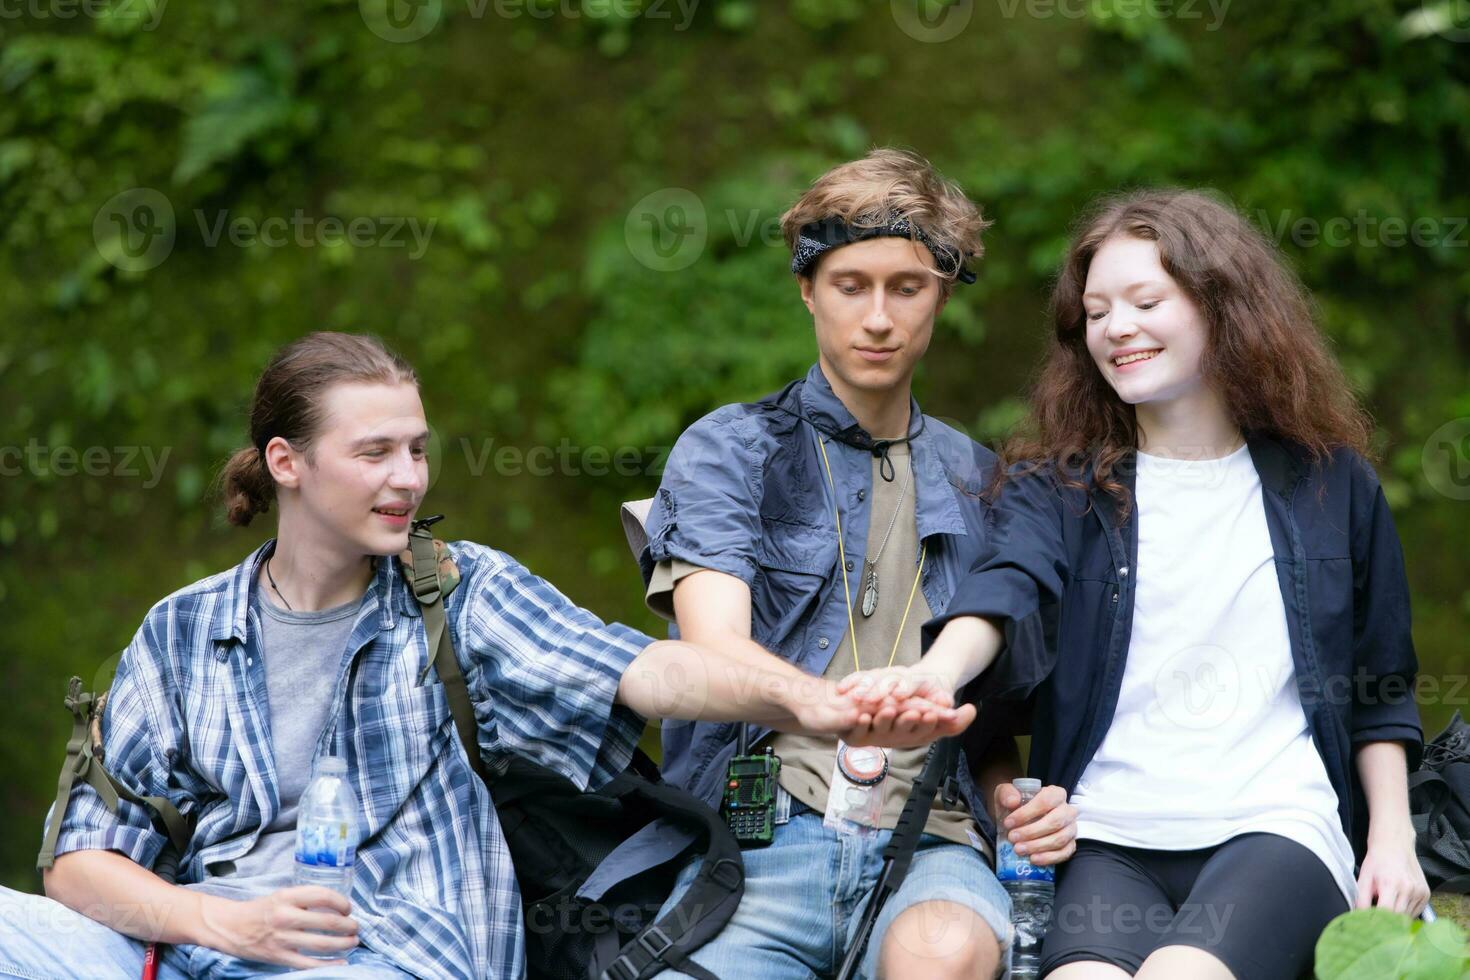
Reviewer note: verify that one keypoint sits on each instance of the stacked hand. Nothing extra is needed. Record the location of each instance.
(901, 707)
(908, 699)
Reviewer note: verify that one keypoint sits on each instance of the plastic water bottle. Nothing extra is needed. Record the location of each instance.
(1031, 889)
(326, 833)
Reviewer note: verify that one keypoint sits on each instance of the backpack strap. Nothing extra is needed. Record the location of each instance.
(702, 911)
(715, 891)
(84, 756)
(898, 854)
(80, 706)
(424, 568)
(1430, 785)
(1460, 885)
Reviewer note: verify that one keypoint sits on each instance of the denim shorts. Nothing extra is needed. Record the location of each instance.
(806, 893)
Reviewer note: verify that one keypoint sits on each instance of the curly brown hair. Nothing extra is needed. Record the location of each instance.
(887, 182)
(1264, 353)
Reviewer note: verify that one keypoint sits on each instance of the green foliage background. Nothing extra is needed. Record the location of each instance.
(528, 131)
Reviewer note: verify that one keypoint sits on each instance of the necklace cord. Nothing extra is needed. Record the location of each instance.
(842, 561)
(274, 586)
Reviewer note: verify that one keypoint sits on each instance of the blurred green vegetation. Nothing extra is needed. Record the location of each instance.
(556, 304)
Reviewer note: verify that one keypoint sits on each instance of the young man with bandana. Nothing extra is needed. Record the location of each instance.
(827, 523)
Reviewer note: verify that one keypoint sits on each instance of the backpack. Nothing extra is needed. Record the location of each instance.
(557, 835)
(1439, 805)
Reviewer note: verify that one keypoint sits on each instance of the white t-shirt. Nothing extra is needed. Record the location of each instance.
(1209, 740)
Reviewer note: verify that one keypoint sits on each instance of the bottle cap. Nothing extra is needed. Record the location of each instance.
(331, 765)
(1028, 787)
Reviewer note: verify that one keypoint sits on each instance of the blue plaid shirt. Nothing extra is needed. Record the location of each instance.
(434, 889)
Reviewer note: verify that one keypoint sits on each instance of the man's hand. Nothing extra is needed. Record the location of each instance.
(820, 707)
(911, 725)
(903, 707)
(275, 927)
(1044, 831)
(873, 689)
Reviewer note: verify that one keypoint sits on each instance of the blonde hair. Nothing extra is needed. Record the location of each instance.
(891, 182)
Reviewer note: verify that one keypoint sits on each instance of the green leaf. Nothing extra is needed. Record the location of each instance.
(1365, 944)
(1376, 944)
(244, 106)
(1439, 951)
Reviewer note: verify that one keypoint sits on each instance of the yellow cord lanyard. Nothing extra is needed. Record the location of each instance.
(842, 561)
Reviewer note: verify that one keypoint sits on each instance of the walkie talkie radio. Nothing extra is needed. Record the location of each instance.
(750, 794)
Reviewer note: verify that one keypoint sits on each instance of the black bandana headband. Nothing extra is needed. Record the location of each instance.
(820, 237)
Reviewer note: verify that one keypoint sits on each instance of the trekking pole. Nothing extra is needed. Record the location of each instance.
(899, 852)
(167, 868)
(150, 962)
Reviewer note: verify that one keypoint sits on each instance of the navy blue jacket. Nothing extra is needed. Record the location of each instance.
(1058, 575)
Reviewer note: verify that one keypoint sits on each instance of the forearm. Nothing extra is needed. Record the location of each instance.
(964, 648)
(1383, 771)
(736, 680)
(113, 889)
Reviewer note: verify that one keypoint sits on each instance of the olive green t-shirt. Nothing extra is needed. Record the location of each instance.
(807, 760)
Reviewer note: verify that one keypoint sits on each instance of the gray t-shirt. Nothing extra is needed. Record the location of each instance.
(301, 653)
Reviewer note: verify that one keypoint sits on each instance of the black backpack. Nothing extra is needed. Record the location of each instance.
(1439, 804)
(557, 834)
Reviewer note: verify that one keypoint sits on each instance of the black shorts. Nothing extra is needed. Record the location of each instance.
(1257, 902)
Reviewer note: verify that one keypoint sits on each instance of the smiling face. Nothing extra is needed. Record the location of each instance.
(873, 304)
(366, 471)
(1144, 333)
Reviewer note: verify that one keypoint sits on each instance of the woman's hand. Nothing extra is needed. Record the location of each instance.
(904, 707)
(275, 927)
(1044, 831)
(1391, 877)
(895, 720)
(872, 688)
